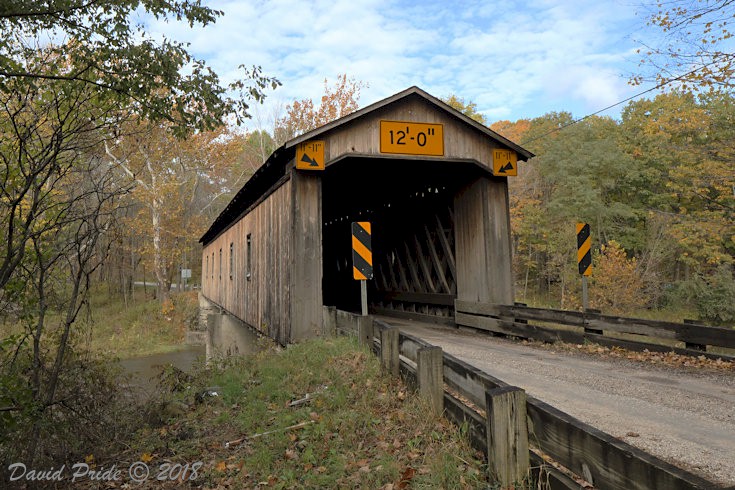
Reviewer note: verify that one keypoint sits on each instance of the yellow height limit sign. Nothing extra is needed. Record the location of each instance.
(411, 138)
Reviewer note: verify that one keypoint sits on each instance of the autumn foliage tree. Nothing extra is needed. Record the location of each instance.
(693, 49)
(174, 183)
(616, 285)
(73, 75)
(659, 183)
(303, 115)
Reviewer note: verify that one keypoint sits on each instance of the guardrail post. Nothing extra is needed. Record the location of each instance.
(591, 330)
(329, 324)
(507, 436)
(430, 374)
(389, 350)
(692, 345)
(365, 331)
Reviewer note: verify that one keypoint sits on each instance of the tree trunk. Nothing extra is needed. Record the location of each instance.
(159, 264)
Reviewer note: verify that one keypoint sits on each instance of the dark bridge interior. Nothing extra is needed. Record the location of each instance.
(410, 206)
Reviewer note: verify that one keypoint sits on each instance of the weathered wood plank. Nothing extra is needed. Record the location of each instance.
(612, 463)
(415, 297)
(261, 299)
(365, 330)
(507, 436)
(411, 315)
(429, 371)
(389, 353)
(306, 274)
(438, 266)
(412, 269)
(468, 381)
(550, 334)
(694, 334)
(446, 247)
(459, 413)
(421, 259)
(522, 330)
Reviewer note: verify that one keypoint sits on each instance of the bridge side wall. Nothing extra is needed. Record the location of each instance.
(255, 284)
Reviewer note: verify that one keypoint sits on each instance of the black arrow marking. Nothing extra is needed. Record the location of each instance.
(312, 163)
(507, 167)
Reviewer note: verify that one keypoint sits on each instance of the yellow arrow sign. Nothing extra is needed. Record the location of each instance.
(505, 163)
(310, 155)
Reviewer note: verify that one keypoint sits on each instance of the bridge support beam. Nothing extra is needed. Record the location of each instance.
(306, 273)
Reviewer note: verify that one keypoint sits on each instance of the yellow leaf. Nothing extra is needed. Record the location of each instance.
(146, 457)
(221, 466)
(89, 459)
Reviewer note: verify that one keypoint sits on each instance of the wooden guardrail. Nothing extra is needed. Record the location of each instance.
(565, 451)
(594, 327)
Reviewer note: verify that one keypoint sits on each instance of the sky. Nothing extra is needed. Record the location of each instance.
(513, 59)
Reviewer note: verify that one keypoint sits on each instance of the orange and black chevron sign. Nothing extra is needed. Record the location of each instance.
(362, 251)
(584, 249)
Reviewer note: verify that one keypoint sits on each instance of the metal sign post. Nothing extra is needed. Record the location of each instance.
(362, 259)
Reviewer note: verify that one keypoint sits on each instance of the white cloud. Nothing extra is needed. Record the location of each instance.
(514, 59)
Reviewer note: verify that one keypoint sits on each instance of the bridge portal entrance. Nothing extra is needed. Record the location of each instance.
(410, 204)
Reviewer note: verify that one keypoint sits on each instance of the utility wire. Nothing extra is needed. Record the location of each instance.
(660, 85)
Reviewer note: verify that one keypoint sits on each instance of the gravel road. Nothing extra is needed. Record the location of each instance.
(686, 418)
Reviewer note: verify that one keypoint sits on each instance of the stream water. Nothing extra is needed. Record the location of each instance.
(144, 370)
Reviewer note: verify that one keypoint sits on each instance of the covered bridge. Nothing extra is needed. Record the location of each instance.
(433, 184)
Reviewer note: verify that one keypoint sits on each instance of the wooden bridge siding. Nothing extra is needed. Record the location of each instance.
(306, 279)
(263, 301)
(482, 242)
(362, 135)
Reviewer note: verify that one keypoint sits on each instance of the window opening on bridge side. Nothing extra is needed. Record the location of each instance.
(212, 270)
(206, 266)
(232, 259)
(249, 257)
(220, 264)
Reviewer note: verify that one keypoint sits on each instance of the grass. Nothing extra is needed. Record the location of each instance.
(360, 428)
(143, 326)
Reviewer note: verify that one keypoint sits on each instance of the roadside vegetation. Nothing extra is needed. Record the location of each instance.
(144, 326)
(315, 415)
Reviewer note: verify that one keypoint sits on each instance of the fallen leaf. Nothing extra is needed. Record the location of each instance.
(221, 466)
(146, 457)
(406, 477)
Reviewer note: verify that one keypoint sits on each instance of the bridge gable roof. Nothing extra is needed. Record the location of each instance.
(357, 135)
